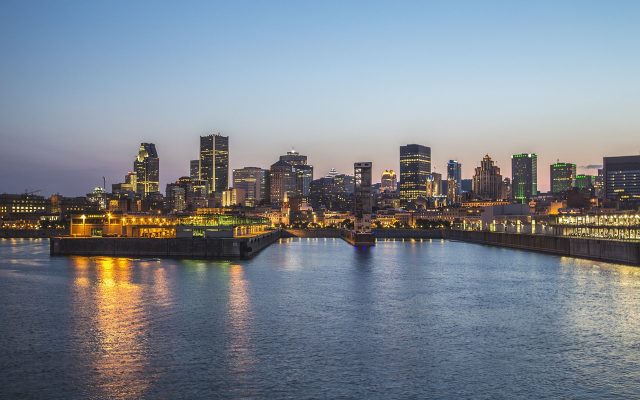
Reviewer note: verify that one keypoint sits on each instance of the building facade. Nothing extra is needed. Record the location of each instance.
(388, 181)
(562, 177)
(524, 176)
(282, 179)
(214, 163)
(487, 181)
(622, 179)
(147, 170)
(415, 166)
(254, 181)
(363, 204)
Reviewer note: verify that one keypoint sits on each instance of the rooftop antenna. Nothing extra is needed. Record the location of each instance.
(104, 183)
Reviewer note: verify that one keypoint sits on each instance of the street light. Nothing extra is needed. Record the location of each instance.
(84, 217)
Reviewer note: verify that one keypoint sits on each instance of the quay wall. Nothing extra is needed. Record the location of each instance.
(596, 249)
(243, 247)
(378, 233)
(32, 233)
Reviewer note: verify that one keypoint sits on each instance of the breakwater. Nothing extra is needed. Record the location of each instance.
(596, 249)
(242, 247)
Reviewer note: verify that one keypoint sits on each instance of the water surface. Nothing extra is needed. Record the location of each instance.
(317, 318)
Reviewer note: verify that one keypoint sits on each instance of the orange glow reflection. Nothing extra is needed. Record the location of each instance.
(239, 320)
(109, 308)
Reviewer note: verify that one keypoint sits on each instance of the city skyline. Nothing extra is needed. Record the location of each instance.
(84, 84)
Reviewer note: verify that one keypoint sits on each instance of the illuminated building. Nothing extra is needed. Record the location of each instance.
(98, 197)
(584, 181)
(303, 171)
(214, 163)
(616, 226)
(524, 176)
(333, 193)
(363, 199)
(22, 204)
(563, 176)
(434, 184)
(176, 197)
(487, 181)
(388, 182)
(282, 181)
(454, 180)
(622, 179)
(415, 166)
(233, 197)
(147, 169)
(255, 182)
(194, 169)
(128, 186)
(506, 189)
(467, 185)
(598, 184)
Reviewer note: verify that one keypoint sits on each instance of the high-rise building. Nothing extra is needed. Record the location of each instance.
(363, 204)
(454, 181)
(388, 182)
(487, 181)
(194, 169)
(563, 176)
(622, 179)
(598, 185)
(176, 197)
(584, 181)
(214, 162)
(254, 181)
(147, 169)
(294, 158)
(434, 184)
(415, 166)
(282, 182)
(524, 176)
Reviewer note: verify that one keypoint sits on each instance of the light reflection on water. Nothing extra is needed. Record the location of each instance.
(318, 318)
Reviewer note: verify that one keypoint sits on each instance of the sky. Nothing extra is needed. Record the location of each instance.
(83, 83)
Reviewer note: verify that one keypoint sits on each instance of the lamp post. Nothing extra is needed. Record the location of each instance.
(84, 217)
(109, 223)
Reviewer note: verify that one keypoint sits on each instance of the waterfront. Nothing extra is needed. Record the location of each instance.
(317, 318)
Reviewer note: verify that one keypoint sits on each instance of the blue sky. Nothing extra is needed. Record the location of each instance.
(83, 83)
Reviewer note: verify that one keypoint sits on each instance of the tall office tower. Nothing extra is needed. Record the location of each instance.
(147, 169)
(506, 189)
(524, 176)
(253, 181)
(454, 181)
(294, 158)
(434, 184)
(563, 176)
(622, 180)
(467, 185)
(303, 171)
(584, 181)
(487, 181)
(363, 204)
(282, 182)
(194, 169)
(598, 184)
(415, 166)
(176, 197)
(214, 162)
(388, 182)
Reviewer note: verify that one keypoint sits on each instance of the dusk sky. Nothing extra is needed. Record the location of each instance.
(82, 83)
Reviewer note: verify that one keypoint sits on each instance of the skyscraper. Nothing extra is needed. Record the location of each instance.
(454, 180)
(303, 172)
(214, 162)
(584, 181)
(147, 170)
(282, 181)
(294, 158)
(622, 179)
(388, 182)
(194, 169)
(487, 181)
(563, 176)
(253, 181)
(415, 166)
(524, 176)
(363, 203)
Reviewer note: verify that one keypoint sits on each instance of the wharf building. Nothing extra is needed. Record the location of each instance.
(562, 177)
(214, 163)
(622, 180)
(487, 181)
(524, 176)
(415, 166)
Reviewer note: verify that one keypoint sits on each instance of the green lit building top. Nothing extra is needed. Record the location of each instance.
(524, 176)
